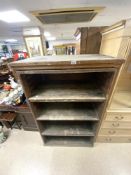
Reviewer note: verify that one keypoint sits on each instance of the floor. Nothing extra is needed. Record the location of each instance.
(24, 154)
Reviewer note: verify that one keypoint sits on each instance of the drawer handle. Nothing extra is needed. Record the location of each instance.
(108, 139)
(111, 132)
(119, 117)
(115, 124)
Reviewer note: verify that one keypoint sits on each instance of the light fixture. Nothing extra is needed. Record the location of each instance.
(11, 40)
(47, 34)
(13, 16)
(31, 31)
(52, 38)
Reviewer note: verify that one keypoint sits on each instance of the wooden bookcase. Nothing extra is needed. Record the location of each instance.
(68, 95)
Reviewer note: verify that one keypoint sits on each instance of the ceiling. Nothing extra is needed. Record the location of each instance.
(114, 11)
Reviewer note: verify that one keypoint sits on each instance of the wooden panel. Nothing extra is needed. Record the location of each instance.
(68, 141)
(94, 40)
(84, 38)
(28, 122)
(111, 42)
(115, 132)
(18, 109)
(21, 109)
(118, 33)
(115, 27)
(63, 93)
(118, 116)
(67, 71)
(125, 77)
(90, 40)
(124, 83)
(62, 62)
(67, 111)
(121, 102)
(107, 49)
(124, 48)
(116, 124)
(109, 139)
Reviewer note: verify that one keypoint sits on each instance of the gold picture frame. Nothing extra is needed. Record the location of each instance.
(34, 45)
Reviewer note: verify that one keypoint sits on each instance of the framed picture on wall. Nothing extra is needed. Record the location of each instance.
(34, 45)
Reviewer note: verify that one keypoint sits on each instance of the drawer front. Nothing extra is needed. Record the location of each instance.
(116, 124)
(108, 139)
(114, 132)
(115, 116)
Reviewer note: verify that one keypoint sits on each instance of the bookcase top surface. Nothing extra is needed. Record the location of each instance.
(68, 60)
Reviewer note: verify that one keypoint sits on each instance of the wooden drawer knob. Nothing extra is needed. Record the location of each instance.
(115, 124)
(119, 117)
(112, 132)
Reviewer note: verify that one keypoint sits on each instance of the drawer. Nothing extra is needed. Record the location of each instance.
(118, 116)
(116, 124)
(119, 132)
(109, 139)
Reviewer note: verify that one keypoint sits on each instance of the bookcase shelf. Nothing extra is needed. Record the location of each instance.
(68, 141)
(67, 93)
(67, 111)
(69, 129)
(68, 101)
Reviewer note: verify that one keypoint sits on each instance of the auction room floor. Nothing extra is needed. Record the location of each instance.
(24, 154)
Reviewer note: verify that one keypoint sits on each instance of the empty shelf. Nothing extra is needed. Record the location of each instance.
(67, 93)
(67, 111)
(68, 130)
(68, 141)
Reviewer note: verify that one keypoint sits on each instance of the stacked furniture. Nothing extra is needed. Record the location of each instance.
(68, 95)
(22, 112)
(23, 116)
(116, 126)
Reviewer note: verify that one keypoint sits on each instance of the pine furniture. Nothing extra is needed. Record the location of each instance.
(116, 126)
